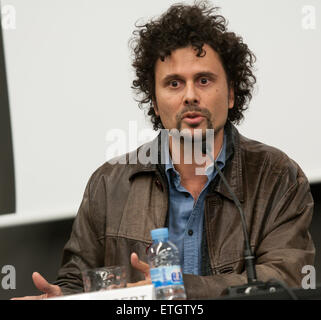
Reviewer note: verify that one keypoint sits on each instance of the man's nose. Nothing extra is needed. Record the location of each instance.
(191, 96)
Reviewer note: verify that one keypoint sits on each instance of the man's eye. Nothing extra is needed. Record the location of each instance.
(203, 80)
(174, 83)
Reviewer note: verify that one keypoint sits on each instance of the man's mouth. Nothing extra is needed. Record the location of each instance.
(193, 118)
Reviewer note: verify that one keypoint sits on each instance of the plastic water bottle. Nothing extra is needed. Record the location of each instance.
(165, 269)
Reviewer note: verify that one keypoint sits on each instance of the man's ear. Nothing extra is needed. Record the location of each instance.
(231, 97)
(155, 107)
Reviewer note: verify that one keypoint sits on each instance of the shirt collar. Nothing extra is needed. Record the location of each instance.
(220, 160)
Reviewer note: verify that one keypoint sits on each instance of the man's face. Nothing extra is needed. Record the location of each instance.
(192, 92)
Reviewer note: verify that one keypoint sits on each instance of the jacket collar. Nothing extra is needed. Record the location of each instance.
(232, 170)
(141, 168)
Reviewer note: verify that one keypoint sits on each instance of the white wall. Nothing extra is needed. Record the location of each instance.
(69, 77)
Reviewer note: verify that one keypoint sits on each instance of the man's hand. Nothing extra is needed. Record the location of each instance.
(42, 284)
(142, 267)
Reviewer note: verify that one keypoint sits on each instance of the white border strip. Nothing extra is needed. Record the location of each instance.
(314, 176)
(22, 218)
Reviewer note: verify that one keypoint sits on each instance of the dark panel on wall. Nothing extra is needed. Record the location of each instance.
(35, 247)
(316, 192)
(7, 182)
(316, 227)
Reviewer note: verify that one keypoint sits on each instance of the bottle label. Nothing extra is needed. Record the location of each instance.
(166, 276)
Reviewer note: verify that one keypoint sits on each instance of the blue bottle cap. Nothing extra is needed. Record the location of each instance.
(160, 233)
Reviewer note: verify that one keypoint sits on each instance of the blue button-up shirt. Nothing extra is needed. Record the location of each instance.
(185, 216)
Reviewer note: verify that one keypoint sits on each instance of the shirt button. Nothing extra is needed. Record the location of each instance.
(190, 232)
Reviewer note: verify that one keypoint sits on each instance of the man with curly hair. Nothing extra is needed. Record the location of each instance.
(193, 75)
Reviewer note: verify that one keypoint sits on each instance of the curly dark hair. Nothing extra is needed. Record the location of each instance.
(195, 25)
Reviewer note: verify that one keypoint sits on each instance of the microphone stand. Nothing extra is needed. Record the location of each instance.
(252, 285)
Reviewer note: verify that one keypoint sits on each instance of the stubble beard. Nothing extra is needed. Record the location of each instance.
(188, 134)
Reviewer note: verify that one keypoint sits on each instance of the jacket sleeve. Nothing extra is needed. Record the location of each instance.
(84, 249)
(285, 247)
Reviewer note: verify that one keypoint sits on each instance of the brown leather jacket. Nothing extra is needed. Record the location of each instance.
(122, 203)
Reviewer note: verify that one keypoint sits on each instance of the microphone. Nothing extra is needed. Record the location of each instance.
(253, 285)
(248, 254)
